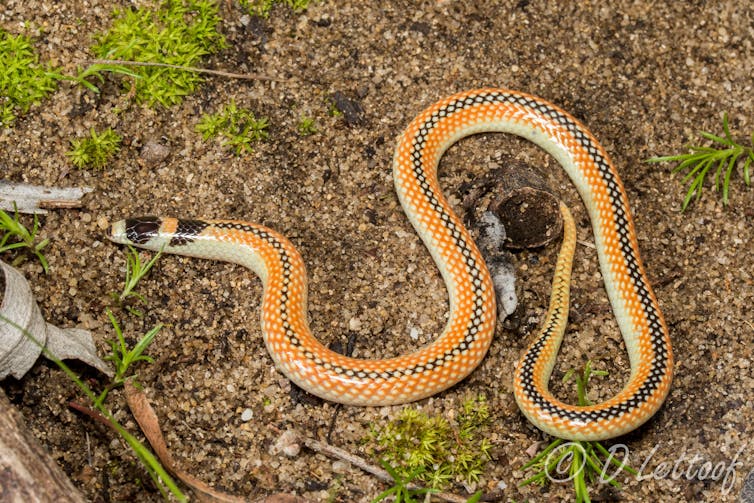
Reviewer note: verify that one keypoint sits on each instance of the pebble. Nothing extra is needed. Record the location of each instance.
(354, 324)
(153, 153)
(247, 414)
(339, 466)
(288, 444)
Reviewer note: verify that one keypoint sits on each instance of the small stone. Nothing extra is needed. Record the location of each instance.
(288, 444)
(354, 324)
(154, 153)
(339, 466)
(246, 415)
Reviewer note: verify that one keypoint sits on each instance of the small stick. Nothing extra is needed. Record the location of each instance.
(35, 198)
(244, 76)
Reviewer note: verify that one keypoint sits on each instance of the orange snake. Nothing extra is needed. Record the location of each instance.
(471, 322)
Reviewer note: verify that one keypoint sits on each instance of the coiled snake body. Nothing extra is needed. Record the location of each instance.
(468, 333)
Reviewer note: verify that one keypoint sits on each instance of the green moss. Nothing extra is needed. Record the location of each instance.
(177, 32)
(262, 8)
(434, 450)
(306, 126)
(237, 127)
(333, 110)
(95, 150)
(23, 80)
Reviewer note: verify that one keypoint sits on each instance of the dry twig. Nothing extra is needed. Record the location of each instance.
(221, 73)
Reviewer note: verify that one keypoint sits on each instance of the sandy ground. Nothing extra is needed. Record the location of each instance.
(644, 76)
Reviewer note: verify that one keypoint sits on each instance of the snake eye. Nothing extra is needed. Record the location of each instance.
(140, 230)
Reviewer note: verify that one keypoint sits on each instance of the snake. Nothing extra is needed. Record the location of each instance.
(468, 333)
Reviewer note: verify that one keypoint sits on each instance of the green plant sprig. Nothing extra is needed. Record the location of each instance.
(581, 459)
(123, 357)
(135, 271)
(174, 36)
(400, 491)
(725, 154)
(95, 150)
(582, 382)
(404, 491)
(12, 228)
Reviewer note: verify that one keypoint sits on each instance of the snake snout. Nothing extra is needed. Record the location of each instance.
(118, 232)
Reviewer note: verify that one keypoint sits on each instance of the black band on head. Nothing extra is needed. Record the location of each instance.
(141, 229)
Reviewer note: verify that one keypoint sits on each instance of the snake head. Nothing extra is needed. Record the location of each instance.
(136, 231)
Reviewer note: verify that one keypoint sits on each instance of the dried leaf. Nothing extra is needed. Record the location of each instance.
(20, 348)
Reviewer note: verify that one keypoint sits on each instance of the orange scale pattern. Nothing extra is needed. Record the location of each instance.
(469, 330)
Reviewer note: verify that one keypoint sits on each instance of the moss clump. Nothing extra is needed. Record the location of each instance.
(434, 450)
(178, 32)
(95, 150)
(306, 126)
(23, 81)
(237, 127)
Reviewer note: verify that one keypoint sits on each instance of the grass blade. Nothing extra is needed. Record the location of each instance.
(716, 139)
(699, 160)
(726, 181)
(136, 352)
